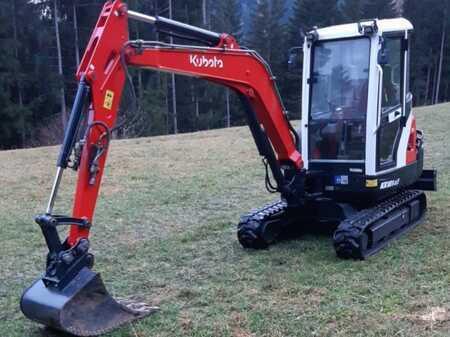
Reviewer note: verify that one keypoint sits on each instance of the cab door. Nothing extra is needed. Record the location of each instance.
(392, 92)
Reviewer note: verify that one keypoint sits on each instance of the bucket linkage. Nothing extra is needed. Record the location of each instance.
(71, 297)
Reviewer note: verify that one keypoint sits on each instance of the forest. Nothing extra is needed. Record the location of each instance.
(42, 42)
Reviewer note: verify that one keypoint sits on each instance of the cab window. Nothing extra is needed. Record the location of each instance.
(392, 74)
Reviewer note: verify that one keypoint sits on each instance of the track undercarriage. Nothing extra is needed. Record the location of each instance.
(358, 233)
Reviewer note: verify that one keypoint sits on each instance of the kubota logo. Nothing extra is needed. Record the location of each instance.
(206, 62)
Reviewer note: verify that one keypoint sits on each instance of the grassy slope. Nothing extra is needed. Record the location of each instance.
(165, 230)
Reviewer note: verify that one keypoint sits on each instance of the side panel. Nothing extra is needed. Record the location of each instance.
(403, 146)
(372, 108)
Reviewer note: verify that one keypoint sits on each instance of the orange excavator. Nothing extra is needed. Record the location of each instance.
(356, 164)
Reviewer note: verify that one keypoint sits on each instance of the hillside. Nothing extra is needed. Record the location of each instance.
(165, 231)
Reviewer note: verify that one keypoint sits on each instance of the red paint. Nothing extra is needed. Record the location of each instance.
(227, 65)
(101, 64)
(411, 150)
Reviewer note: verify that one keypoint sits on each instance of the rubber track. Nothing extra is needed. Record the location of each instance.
(349, 234)
(250, 225)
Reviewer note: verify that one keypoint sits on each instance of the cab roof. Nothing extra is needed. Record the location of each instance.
(351, 30)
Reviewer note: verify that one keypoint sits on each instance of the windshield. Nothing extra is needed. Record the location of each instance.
(338, 107)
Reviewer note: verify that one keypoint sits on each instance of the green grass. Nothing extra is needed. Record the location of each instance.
(165, 231)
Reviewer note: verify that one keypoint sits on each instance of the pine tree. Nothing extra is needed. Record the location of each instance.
(7, 64)
(380, 9)
(306, 15)
(267, 33)
(351, 10)
(426, 17)
(310, 13)
(226, 17)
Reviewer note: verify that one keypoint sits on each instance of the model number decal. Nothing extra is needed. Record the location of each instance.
(389, 184)
(205, 62)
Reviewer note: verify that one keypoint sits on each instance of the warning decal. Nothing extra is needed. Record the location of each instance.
(109, 97)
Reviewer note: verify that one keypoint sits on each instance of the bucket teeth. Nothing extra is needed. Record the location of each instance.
(82, 308)
(137, 307)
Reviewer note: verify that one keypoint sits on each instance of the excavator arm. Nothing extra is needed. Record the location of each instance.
(69, 292)
(104, 68)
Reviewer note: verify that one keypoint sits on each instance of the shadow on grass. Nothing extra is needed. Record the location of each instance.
(320, 230)
(49, 332)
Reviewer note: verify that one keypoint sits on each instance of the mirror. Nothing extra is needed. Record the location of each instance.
(294, 60)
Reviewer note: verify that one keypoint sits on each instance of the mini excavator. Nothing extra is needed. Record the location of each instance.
(355, 164)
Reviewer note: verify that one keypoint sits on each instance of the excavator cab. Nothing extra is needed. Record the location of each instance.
(357, 125)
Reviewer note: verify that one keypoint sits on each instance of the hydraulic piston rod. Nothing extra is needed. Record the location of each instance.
(176, 28)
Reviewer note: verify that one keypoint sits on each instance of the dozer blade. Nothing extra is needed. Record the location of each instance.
(82, 308)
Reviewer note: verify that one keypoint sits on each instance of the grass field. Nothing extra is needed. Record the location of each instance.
(165, 231)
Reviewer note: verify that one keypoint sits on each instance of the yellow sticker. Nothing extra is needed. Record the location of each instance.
(109, 97)
(371, 182)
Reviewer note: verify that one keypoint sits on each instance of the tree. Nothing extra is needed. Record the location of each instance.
(7, 64)
(351, 10)
(380, 9)
(75, 32)
(267, 33)
(227, 17)
(310, 13)
(428, 48)
(306, 14)
(441, 54)
(18, 75)
(60, 64)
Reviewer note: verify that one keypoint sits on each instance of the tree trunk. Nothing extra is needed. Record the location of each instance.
(139, 74)
(197, 110)
(174, 91)
(447, 86)
(167, 104)
(441, 57)
(18, 82)
(227, 97)
(427, 88)
(196, 102)
(204, 16)
(60, 69)
(75, 31)
(434, 80)
(162, 79)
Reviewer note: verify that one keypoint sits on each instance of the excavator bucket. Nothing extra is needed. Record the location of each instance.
(82, 308)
